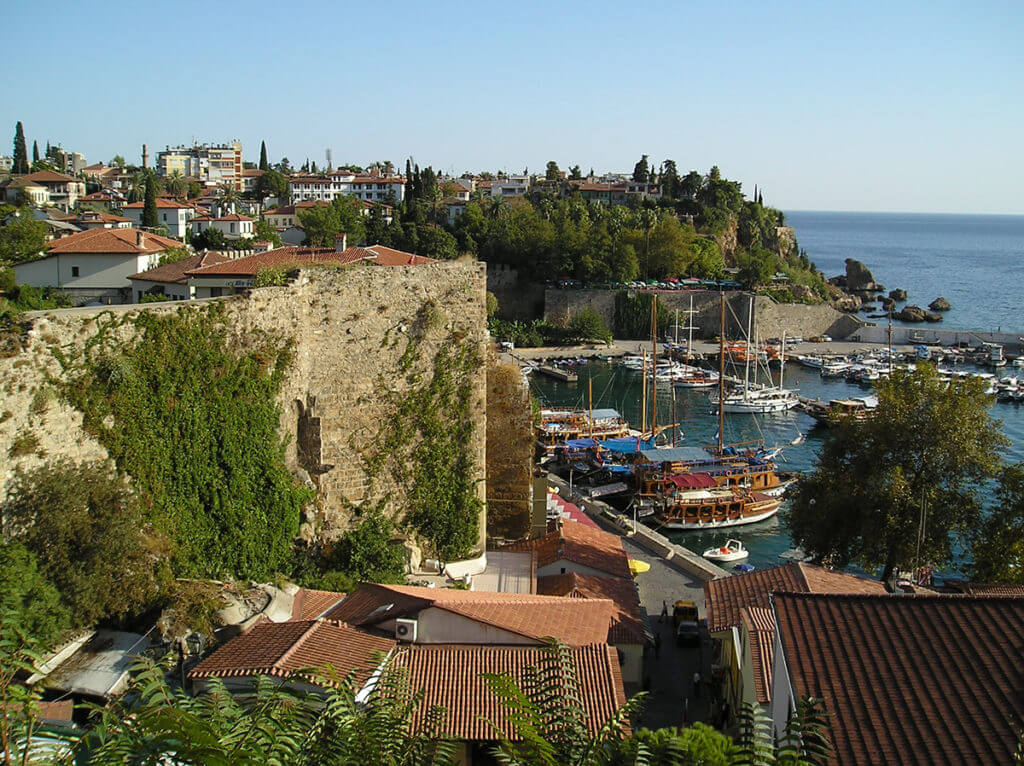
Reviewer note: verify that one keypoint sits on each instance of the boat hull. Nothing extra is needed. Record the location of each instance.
(769, 510)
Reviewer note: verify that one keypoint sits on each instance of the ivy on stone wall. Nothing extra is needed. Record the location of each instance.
(426, 443)
(193, 420)
(632, 318)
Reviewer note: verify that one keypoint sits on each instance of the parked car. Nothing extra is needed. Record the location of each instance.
(686, 620)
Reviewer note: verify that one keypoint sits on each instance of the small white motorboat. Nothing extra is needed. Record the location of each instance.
(733, 550)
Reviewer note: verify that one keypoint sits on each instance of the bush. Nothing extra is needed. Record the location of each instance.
(586, 325)
(367, 553)
(270, 276)
(26, 590)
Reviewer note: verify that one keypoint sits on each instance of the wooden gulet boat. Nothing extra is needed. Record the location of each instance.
(716, 508)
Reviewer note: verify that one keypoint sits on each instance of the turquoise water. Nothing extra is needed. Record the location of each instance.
(974, 261)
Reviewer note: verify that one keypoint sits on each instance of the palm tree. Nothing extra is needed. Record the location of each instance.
(228, 197)
(177, 184)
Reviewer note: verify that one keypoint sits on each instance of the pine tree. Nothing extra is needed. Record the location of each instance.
(20, 150)
(264, 165)
(149, 219)
(35, 151)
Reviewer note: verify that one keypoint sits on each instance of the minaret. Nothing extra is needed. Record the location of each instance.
(145, 156)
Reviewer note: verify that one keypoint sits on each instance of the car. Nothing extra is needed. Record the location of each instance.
(686, 620)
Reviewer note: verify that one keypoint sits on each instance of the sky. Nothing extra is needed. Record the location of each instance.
(878, 106)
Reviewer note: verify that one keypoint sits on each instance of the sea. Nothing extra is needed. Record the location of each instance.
(975, 262)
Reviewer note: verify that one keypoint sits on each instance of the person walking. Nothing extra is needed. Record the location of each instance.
(664, 611)
(696, 684)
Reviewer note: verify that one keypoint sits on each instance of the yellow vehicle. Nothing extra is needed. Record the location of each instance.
(685, 619)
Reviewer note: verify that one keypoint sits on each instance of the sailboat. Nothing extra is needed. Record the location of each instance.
(753, 398)
(692, 376)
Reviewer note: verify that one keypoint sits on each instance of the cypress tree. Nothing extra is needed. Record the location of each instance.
(149, 220)
(35, 151)
(20, 151)
(264, 165)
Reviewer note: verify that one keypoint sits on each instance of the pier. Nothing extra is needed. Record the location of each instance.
(566, 376)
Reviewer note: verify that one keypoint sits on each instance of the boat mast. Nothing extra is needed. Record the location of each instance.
(643, 396)
(590, 397)
(689, 327)
(654, 366)
(746, 367)
(721, 373)
(677, 326)
(675, 420)
(890, 340)
(782, 360)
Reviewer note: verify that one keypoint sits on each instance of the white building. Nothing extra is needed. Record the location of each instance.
(61, 191)
(343, 183)
(231, 225)
(212, 164)
(173, 215)
(95, 265)
(513, 186)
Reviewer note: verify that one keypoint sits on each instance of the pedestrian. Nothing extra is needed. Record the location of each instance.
(657, 645)
(696, 683)
(664, 611)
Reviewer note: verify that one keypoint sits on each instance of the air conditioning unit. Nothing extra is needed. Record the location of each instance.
(405, 630)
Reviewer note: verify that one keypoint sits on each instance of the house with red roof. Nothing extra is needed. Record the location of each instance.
(232, 225)
(170, 279)
(95, 265)
(61, 190)
(237, 275)
(170, 213)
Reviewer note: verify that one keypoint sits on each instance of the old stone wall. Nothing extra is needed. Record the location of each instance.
(518, 297)
(772, 318)
(350, 328)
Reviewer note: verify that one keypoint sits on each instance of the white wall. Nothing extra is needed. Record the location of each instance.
(782, 703)
(562, 567)
(437, 626)
(94, 271)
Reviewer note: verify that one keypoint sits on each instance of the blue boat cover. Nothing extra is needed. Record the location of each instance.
(627, 444)
(677, 455)
(623, 469)
(580, 443)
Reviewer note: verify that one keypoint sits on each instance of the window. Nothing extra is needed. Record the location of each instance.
(74, 271)
(165, 216)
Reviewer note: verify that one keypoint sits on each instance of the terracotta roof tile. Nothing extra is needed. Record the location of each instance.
(910, 679)
(288, 256)
(284, 648)
(574, 621)
(111, 241)
(992, 589)
(579, 544)
(174, 273)
(310, 604)
(48, 177)
(161, 202)
(726, 597)
(627, 626)
(451, 677)
(760, 625)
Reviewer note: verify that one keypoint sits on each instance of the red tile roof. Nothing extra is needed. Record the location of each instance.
(283, 648)
(228, 217)
(760, 625)
(725, 598)
(111, 241)
(910, 679)
(310, 604)
(450, 677)
(579, 544)
(289, 256)
(161, 202)
(627, 626)
(174, 273)
(48, 177)
(573, 621)
(91, 216)
(992, 589)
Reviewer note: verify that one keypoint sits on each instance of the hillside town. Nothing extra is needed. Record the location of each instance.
(270, 446)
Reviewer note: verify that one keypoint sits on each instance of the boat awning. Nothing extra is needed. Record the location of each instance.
(692, 480)
(580, 443)
(607, 414)
(677, 455)
(626, 444)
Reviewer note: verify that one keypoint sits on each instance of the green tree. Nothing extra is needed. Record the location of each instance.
(997, 545)
(209, 239)
(117, 161)
(377, 230)
(367, 553)
(272, 184)
(20, 165)
(575, 174)
(323, 224)
(26, 590)
(435, 242)
(227, 197)
(21, 240)
(150, 219)
(35, 151)
(86, 530)
(552, 173)
(20, 655)
(264, 231)
(669, 179)
(264, 165)
(641, 171)
(587, 325)
(177, 184)
(697, 744)
(899, 488)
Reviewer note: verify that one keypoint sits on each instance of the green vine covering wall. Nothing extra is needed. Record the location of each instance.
(632, 317)
(425, 444)
(193, 420)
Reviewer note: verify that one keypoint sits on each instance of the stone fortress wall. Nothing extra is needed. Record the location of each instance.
(349, 327)
(771, 318)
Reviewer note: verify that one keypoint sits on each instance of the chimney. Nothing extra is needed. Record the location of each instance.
(339, 243)
(140, 239)
(145, 156)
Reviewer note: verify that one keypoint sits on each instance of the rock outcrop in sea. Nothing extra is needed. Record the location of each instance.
(916, 314)
(939, 304)
(899, 294)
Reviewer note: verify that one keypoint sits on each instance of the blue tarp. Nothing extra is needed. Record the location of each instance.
(677, 454)
(623, 469)
(626, 444)
(580, 443)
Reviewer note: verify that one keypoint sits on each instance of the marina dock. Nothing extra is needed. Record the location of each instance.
(566, 376)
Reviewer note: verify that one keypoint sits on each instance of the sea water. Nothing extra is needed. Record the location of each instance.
(976, 262)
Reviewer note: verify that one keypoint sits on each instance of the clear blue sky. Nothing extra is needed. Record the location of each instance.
(894, 106)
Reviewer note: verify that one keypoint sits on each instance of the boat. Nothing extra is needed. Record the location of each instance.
(829, 413)
(715, 508)
(733, 550)
(556, 427)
